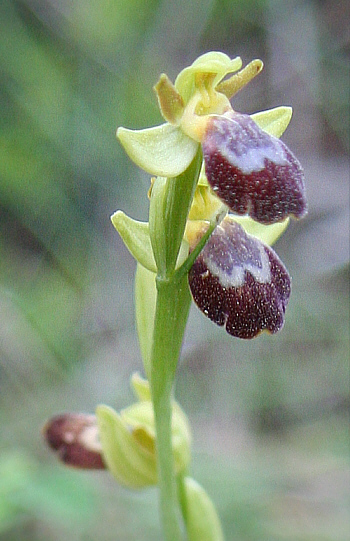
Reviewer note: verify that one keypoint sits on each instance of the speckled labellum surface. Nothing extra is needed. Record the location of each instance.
(239, 282)
(251, 171)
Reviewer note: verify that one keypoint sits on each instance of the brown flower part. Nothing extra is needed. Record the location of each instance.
(251, 171)
(239, 282)
(75, 438)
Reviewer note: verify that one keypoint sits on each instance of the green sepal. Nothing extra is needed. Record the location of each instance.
(164, 150)
(136, 238)
(202, 521)
(128, 462)
(273, 121)
(266, 233)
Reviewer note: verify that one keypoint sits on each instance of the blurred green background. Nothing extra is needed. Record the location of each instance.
(269, 416)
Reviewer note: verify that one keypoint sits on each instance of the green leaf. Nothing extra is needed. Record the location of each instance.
(136, 238)
(273, 121)
(163, 150)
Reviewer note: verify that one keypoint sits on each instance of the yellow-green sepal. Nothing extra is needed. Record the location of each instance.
(266, 233)
(202, 521)
(273, 121)
(130, 464)
(136, 238)
(164, 150)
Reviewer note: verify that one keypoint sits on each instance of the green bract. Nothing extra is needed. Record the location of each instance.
(202, 520)
(145, 307)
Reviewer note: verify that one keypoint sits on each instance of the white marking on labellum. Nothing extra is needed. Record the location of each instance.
(89, 439)
(245, 145)
(251, 171)
(240, 283)
(234, 253)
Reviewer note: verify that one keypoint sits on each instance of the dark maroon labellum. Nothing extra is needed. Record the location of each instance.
(74, 436)
(251, 171)
(239, 282)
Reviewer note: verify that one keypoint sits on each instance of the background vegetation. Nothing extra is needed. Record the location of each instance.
(269, 417)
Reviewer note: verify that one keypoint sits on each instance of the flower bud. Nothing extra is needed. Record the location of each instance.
(74, 436)
(128, 439)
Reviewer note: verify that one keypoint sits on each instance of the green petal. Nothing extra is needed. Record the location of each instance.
(273, 121)
(267, 233)
(136, 238)
(126, 460)
(213, 62)
(163, 150)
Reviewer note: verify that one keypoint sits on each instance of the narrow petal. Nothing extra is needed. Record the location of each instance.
(240, 283)
(253, 172)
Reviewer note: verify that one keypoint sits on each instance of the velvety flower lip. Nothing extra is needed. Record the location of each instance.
(74, 436)
(239, 282)
(251, 171)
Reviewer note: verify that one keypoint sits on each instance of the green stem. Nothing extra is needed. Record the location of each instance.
(170, 203)
(173, 302)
